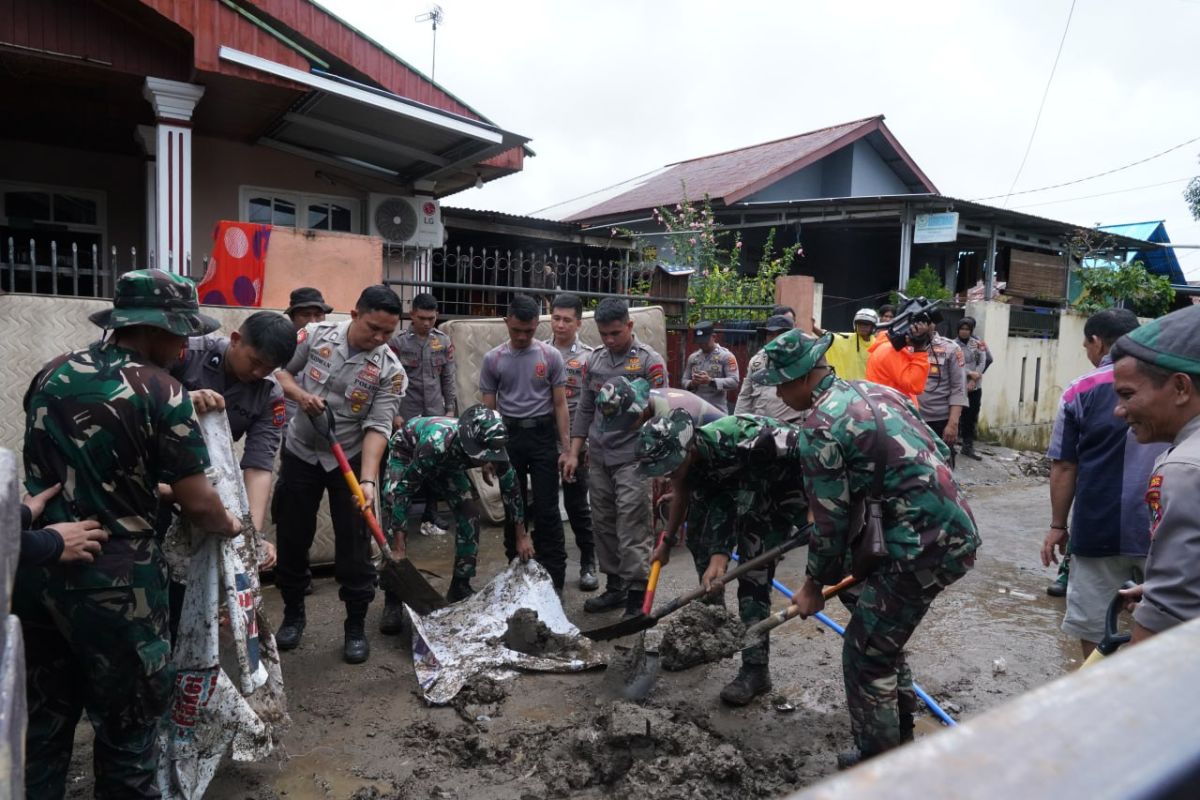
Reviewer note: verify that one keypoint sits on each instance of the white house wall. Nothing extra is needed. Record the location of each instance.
(1016, 419)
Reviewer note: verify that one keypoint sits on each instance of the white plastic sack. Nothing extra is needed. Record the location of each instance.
(455, 643)
(221, 622)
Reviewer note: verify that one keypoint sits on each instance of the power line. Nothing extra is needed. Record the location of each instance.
(1092, 177)
(596, 191)
(1041, 105)
(1102, 194)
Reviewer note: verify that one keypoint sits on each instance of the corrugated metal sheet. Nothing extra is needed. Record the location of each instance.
(1157, 260)
(733, 175)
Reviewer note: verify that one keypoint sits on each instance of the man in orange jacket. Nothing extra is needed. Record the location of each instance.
(904, 369)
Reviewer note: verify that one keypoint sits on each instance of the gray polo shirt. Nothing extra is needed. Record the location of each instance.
(522, 380)
(1172, 587)
(256, 410)
(947, 382)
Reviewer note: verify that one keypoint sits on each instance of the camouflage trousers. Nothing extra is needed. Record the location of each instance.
(453, 487)
(715, 525)
(104, 651)
(879, 684)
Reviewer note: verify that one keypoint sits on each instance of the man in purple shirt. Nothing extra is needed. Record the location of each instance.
(525, 380)
(1098, 473)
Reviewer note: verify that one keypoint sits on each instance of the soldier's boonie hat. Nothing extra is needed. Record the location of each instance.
(703, 330)
(866, 315)
(1170, 342)
(790, 356)
(159, 299)
(621, 402)
(307, 297)
(663, 443)
(776, 324)
(482, 434)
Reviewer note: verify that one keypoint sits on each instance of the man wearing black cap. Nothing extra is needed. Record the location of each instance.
(1156, 374)
(712, 371)
(306, 305)
(762, 400)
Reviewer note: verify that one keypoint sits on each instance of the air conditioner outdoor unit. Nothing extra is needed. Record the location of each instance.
(408, 221)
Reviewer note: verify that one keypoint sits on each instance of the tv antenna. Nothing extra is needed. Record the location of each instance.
(436, 15)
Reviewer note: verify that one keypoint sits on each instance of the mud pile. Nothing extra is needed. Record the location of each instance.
(528, 634)
(480, 699)
(700, 634)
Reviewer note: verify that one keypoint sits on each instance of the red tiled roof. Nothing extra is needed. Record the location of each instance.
(735, 174)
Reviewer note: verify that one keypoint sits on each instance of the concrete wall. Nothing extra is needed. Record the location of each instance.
(121, 178)
(1022, 388)
(870, 175)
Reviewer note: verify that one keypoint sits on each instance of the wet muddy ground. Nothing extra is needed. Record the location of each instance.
(363, 731)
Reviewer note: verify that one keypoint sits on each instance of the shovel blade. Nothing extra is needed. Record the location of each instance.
(625, 627)
(403, 579)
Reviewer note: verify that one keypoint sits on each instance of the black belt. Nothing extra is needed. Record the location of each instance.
(529, 422)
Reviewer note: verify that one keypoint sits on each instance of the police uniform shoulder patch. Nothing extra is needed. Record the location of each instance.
(302, 336)
(278, 414)
(1154, 501)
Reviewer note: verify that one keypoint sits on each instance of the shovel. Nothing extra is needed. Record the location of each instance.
(642, 622)
(398, 576)
(756, 632)
(644, 672)
(1111, 639)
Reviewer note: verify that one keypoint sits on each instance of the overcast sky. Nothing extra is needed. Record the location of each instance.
(609, 90)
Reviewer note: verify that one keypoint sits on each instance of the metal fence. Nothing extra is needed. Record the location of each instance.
(67, 269)
(1033, 322)
(478, 282)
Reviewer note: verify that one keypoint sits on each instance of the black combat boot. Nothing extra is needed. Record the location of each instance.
(851, 758)
(356, 649)
(906, 727)
(588, 582)
(292, 628)
(613, 596)
(633, 603)
(751, 681)
(460, 589)
(392, 620)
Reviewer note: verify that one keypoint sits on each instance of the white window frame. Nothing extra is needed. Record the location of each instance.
(301, 201)
(99, 197)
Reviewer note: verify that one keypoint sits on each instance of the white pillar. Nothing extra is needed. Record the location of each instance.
(173, 105)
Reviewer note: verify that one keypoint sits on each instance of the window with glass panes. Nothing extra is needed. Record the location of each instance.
(299, 210)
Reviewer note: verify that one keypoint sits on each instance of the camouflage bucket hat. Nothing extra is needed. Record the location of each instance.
(1169, 342)
(663, 443)
(159, 299)
(790, 356)
(482, 434)
(622, 402)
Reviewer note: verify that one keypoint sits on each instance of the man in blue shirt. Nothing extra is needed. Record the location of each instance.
(1098, 473)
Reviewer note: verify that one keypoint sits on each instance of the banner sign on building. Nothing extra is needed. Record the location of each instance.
(936, 228)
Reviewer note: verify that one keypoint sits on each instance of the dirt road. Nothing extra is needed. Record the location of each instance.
(363, 732)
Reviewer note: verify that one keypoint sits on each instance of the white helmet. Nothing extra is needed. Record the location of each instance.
(866, 315)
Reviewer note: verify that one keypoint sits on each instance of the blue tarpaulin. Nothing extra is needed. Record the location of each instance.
(1158, 260)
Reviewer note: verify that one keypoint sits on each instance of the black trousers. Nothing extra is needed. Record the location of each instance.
(970, 417)
(533, 453)
(296, 525)
(579, 512)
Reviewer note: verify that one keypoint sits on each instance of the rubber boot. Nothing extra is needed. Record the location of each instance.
(612, 597)
(392, 620)
(588, 582)
(633, 603)
(751, 681)
(356, 649)
(292, 628)
(906, 727)
(460, 589)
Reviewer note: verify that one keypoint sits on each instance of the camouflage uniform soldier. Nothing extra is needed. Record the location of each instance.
(434, 453)
(624, 404)
(738, 481)
(109, 423)
(929, 532)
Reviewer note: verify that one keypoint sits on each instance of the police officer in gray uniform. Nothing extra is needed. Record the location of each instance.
(566, 318)
(236, 373)
(620, 496)
(945, 395)
(712, 371)
(348, 367)
(427, 356)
